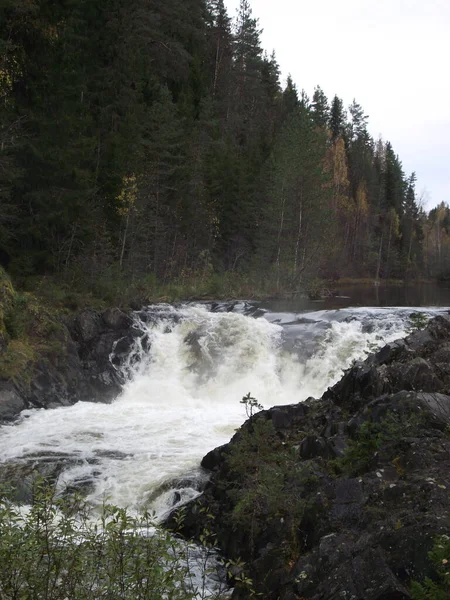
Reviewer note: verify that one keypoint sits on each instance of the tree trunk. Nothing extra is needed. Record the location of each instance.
(216, 68)
(389, 247)
(280, 231)
(125, 233)
(377, 276)
(299, 232)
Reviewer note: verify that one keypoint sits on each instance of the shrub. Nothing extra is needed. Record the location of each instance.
(417, 320)
(440, 588)
(15, 318)
(375, 437)
(57, 550)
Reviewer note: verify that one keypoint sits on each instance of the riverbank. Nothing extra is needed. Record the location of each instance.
(114, 288)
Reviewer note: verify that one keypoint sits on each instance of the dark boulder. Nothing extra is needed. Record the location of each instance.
(214, 459)
(312, 447)
(10, 402)
(86, 326)
(116, 319)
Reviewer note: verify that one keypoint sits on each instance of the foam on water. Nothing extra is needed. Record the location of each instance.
(181, 398)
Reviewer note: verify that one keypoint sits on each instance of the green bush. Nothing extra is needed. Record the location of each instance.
(57, 550)
(375, 437)
(440, 588)
(417, 320)
(359, 455)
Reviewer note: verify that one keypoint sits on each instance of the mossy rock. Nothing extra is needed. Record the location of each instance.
(28, 330)
(17, 361)
(28, 318)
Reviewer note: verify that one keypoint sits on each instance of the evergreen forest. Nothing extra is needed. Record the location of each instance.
(153, 141)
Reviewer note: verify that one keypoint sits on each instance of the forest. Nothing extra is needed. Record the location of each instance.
(153, 141)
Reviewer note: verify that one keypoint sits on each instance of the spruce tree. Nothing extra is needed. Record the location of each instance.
(357, 126)
(248, 62)
(320, 108)
(337, 118)
(290, 99)
(395, 185)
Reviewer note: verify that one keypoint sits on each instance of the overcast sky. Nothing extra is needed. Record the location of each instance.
(392, 56)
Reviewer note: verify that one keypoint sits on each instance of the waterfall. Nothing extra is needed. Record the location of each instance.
(181, 396)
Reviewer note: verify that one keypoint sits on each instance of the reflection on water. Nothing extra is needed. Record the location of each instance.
(418, 294)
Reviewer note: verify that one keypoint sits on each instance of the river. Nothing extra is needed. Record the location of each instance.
(184, 383)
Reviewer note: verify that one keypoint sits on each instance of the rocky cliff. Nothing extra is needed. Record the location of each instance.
(344, 496)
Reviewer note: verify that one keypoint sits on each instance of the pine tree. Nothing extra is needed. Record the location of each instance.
(270, 117)
(152, 136)
(247, 51)
(221, 51)
(360, 149)
(305, 101)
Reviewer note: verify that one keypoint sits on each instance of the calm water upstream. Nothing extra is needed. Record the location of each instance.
(413, 295)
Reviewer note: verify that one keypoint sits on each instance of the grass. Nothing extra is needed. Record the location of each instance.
(117, 289)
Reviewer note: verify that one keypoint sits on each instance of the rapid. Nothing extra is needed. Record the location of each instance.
(181, 397)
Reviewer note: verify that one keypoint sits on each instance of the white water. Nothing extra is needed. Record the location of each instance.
(182, 399)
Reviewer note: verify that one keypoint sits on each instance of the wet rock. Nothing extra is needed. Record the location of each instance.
(116, 319)
(437, 406)
(10, 402)
(214, 459)
(252, 310)
(122, 348)
(285, 417)
(388, 353)
(24, 476)
(224, 306)
(334, 429)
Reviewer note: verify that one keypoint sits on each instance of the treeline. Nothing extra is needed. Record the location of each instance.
(153, 138)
